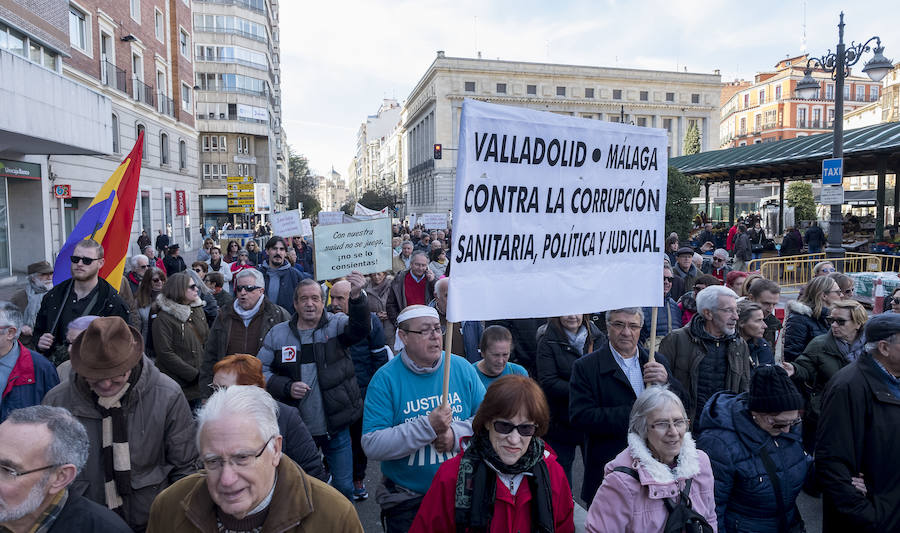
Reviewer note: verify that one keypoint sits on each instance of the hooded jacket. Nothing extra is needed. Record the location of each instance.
(300, 504)
(179, 333)
(290, 278)
(160, 437)
(745, 495)
(627, 505)
(686, 348)
(800, 327)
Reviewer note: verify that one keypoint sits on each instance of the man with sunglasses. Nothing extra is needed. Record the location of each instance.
(85, 293)
(406, 426)
(858, 432)
(241, 326)
(718, 265)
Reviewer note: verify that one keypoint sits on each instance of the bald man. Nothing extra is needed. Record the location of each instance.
(368, 356)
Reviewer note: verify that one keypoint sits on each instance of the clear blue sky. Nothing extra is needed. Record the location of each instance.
(339, 59)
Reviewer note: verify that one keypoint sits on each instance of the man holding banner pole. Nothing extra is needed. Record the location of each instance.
(407, 423)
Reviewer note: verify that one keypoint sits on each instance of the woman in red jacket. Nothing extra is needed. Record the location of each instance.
(506, 480)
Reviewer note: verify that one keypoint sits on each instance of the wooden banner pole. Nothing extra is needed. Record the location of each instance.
(448, 345)
(653, 334)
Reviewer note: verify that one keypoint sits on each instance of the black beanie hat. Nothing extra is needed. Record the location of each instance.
(772, 391)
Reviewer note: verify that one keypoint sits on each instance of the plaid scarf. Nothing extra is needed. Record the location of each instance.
(115, 453)
(476, 485)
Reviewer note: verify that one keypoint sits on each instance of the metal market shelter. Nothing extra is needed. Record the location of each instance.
(873, 150)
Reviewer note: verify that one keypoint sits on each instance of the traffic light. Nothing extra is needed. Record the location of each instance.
(437, 151)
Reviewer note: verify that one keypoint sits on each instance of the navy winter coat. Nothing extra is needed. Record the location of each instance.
(745, 497)
(800, 327)
(369, 354)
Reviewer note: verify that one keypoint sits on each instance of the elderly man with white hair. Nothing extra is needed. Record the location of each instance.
(718, 265)
(247, 484)
(707, 355)
(405, 424)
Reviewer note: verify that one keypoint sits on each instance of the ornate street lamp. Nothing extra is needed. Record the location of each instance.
(838, 64)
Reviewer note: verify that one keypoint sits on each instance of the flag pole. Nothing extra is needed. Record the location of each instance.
(448, 345)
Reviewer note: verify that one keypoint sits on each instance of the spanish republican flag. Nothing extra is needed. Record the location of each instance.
(108, 221)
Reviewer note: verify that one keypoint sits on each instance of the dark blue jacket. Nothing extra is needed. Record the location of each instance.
(369, 354)
(288, 285)
(761, 353)
(662, 320)
(31, 378)
(745, 497)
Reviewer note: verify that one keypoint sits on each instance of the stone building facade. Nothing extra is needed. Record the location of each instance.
(655, 99)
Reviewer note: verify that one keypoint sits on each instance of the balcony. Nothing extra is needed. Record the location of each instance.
(165, 105)
(233, 31)
(141, 92)
(240, 3)
(113, 76)
(235, 61)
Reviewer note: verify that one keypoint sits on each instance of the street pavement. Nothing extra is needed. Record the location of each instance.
(369, 512)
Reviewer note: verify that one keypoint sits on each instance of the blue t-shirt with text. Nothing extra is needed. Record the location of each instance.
(510, 368)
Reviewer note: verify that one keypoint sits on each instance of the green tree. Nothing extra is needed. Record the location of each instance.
(679, 212)
(301, 184)
(692, 141)
(799, 195)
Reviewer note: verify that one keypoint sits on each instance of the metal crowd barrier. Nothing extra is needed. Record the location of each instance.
(792, 272)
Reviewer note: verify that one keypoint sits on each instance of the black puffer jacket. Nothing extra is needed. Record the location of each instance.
(555, 358)
(800, 327)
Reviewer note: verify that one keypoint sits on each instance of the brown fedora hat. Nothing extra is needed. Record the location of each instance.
(106, 349)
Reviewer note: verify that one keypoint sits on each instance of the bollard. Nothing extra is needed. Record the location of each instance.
(878, 305)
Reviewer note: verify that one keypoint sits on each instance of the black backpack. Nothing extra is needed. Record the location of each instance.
(682, 517)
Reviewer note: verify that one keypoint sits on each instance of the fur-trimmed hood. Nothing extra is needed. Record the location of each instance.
(180, 311)
(688, 464)
(795, 306)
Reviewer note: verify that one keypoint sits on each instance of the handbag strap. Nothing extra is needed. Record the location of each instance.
(776, 485)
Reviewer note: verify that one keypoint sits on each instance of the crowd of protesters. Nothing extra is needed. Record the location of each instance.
(240, 394)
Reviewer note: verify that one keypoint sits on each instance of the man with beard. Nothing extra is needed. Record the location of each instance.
(707, 356)
(306, 365)
(219, 266)
(281, 278)
(42, 449)
(241, 325)
(28, 299)
(85, 293)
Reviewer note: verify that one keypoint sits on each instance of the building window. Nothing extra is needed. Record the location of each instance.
(163, 149)
(184, 44)
(846, 92)
(205, 143)
(560, 91)
(829, 91)
(860, 93)
(873, 93)
(778, 92)
(762, 96)
(222, 144)
(746, 100)
(667, 124)
(670, 97)
(531, 89)
(617, 94)
(589, 92)
(135, 6)
(695, 98)
(642, 121)
(185, 97)
(224, 170)
(182, 155)
(213, 143)
(501, 88)
(470, 86)
(78, 31)
(743, 129)
(206, 171)
(215, 171)
(158, 25)
(138, 130)
(115, 134)
(645, 95)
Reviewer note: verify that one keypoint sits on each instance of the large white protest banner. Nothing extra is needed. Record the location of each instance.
(330, 217)
(362, 212)
(362, 246)
(433, 220)
(555, 215)
(287, 223)
(305, 228)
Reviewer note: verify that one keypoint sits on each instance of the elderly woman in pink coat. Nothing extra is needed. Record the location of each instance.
(660, 476)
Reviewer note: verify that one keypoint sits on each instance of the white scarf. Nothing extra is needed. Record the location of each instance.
(247, 316)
